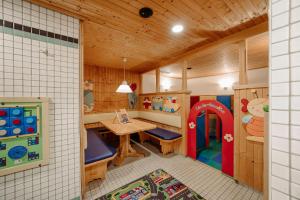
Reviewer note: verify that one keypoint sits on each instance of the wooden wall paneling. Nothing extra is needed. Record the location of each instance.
(249, 147)
(243, 62)
(242, 142)
(249, 155)
(236, 134)
(184, 76)
(184, 117)
(157, 79)
(266, 159)
(183, 98)
(249, 163)
(106, 81)
(258, 166)
(207, 97)
(213, 63)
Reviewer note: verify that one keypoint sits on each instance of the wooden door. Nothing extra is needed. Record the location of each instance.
(258, 166)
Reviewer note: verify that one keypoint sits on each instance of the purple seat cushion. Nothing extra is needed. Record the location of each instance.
(163, 134)
(96, 149)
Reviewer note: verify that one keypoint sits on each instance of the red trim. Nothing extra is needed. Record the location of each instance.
(227, 121)
(218, 129)
(194, 100)
(207, 129)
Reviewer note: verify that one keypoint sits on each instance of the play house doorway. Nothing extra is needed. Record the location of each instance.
(203, 109)
(208, 139)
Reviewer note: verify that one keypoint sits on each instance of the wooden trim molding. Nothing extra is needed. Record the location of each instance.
(167, 93)
(83, 138)
(243, 61)
(249, 86)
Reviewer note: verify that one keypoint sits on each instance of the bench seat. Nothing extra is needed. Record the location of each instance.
(167, 139)
(163, 134)
(96, 148)
(97, 155)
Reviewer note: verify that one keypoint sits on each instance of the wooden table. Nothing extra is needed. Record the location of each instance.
(124, 131)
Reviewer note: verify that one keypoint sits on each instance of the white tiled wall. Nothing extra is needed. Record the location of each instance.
(25, 71)
(285, 100)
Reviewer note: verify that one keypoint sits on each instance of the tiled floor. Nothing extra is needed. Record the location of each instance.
(206, 181)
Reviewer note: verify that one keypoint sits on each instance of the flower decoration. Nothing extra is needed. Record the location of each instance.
(228, 137)
(245, 103)
(192, 125)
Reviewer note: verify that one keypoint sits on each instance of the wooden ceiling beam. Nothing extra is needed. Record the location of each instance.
(206, 49)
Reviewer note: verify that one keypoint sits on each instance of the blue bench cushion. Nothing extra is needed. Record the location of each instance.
(163, 134)
(96, 149)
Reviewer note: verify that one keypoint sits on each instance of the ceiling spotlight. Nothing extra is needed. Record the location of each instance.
(177, 28)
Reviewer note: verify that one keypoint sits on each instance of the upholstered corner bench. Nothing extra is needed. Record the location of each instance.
(168, 139)
(97, 155)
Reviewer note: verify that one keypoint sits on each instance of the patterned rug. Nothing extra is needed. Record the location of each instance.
(157, 185)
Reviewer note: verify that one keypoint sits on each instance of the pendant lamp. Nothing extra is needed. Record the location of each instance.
(124, 87)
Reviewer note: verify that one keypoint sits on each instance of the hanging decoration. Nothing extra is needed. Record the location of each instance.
(88, 96)
(132, 97)
(147, 103)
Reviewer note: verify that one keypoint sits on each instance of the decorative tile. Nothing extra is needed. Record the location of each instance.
(33, 77)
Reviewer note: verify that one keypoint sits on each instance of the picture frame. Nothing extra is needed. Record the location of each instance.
(122, 116)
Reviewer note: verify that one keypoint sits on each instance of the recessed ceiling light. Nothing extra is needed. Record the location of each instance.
(177, 28)
(189, 68)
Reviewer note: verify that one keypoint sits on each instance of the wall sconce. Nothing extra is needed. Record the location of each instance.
(166, 85)
(226, 83)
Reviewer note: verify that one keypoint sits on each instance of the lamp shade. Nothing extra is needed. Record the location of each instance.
(124, 88)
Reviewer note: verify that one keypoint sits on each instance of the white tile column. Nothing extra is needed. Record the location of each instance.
(284, 172)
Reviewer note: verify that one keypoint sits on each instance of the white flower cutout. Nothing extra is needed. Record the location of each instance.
(228, 137)
(192, 125)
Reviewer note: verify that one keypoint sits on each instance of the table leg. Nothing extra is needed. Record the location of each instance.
(133, 153)
(125, 150)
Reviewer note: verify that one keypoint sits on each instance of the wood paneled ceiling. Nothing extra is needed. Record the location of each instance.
(114, 29)
(224, 60)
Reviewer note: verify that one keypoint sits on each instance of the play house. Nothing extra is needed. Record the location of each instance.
(224, 117)
(149, 99)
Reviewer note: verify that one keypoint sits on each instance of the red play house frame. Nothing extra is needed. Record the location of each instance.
(227, 131)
